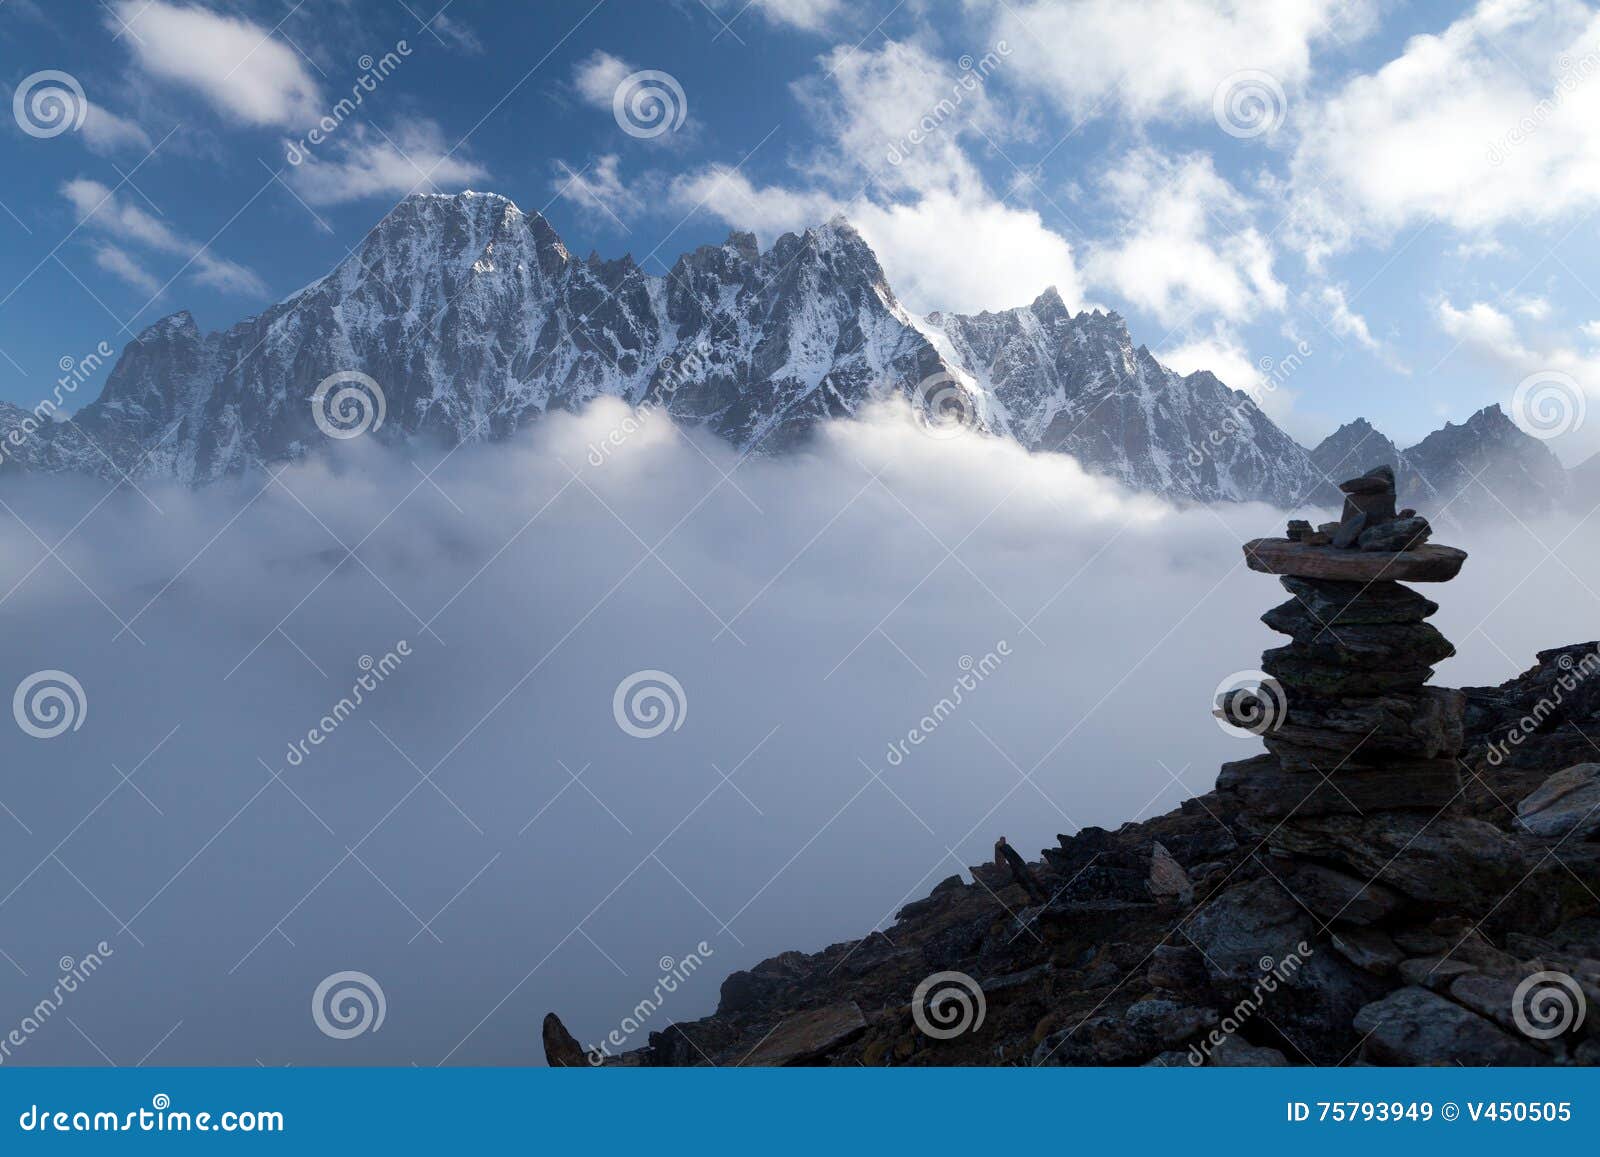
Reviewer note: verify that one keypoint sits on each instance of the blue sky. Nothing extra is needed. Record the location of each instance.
(1406, 192)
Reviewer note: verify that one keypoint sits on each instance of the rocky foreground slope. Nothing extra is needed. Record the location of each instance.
(1409, 875)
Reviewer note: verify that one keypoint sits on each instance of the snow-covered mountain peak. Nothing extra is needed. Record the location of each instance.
(473, 319)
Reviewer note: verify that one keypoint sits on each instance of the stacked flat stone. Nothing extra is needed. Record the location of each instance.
(1351, 725)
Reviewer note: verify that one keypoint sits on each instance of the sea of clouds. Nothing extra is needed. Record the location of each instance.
(486, 835)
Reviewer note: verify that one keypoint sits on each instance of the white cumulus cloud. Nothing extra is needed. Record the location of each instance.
(1493, 121)
(1186, 244)
(236, 64)
(1164, 59)
(597, 75)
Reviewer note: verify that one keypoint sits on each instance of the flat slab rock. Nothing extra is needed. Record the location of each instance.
(1416, 1027)
(1332, 602)
(1425, 564)
(808, 1035)
(1430, 858)
(1266, 790)
(1567, 805)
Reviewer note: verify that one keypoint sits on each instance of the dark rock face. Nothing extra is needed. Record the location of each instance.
(1430, 859)
(1566, 804)
(1354, 446)
(1476, 471)
(809, 1035)
(1265, 788)
(1355, 604)
(1486, 466)
(561, 1048)
(1397, 534)
(1147, 1027)
(1416, 1027)
(1078, 384)
(1554, 704)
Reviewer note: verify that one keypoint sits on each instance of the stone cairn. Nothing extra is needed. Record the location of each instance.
(1349, 723)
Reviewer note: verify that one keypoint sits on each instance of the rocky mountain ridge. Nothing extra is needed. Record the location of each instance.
(1482, 469)
(1585, 485)
(462, 318)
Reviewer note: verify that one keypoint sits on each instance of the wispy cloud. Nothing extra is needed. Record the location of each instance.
(366, 162)
(597, 189)
(116, 261)
(106, 132)
(98, 207)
